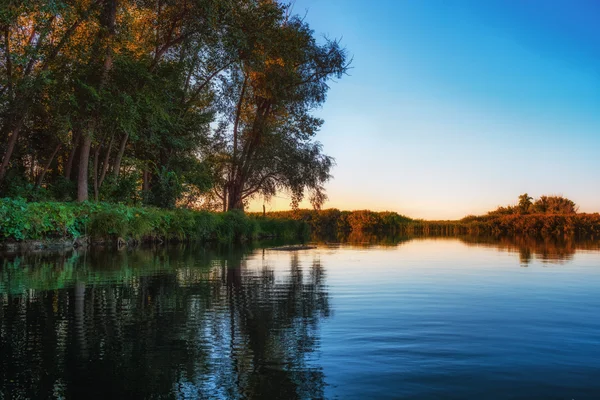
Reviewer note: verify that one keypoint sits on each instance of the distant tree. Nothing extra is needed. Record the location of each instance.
(555, 205)
(524, 203)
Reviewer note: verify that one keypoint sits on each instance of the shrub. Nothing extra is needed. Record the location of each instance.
(20, 220)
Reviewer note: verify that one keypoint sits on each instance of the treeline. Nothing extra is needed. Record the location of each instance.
(544, 205)
(583, 225)
(84, 223)
(546, 216)
(333, 221)
(164, 102)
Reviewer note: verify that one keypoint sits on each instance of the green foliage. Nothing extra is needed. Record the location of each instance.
(547, 216)
(51, 220)
(16, 186)
(282, 228)
(22, 220)
(121, 189)
(63, 189)
(93, 89)
(165, 189)
(332, 221)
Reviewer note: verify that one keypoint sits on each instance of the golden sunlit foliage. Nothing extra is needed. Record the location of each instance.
(548, 216)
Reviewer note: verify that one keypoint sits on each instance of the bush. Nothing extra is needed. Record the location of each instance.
(332, 221)
(123, 189)
(21, 220)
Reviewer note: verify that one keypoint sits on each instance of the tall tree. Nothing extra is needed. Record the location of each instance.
(279, 78)
(104, 44)
(35, 34)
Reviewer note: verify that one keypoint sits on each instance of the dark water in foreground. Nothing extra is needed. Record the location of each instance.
(407, 319)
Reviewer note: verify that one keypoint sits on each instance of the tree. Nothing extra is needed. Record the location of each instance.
(35, 34)
(138, 99)
(280, 76)
(524, 203)
(555, 205)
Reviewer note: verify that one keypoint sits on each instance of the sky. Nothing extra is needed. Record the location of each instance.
(456, 107)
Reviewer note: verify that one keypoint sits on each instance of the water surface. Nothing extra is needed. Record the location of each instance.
(423, 318)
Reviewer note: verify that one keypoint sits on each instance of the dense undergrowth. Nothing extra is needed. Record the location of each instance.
(20, 220)
(333, 221)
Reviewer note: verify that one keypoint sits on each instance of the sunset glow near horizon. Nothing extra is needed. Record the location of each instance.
(455, 108)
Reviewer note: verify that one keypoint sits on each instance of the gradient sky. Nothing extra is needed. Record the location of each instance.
(455, 107)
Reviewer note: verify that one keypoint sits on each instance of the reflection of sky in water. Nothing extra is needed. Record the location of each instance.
(421, 318)
(440, 317)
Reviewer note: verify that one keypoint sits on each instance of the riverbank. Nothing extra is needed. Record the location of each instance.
(56, 224)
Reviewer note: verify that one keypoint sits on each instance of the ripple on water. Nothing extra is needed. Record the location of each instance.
(425, 319)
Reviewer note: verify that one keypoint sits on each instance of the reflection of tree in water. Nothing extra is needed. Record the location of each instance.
(171, 323)
(548, 250)
(363, 239)
(274, 337)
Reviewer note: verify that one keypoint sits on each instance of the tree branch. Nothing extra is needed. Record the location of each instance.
(198, 90)
(38, 45)
(8, 60)
(63, 41)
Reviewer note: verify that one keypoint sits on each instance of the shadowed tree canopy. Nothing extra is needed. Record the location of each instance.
(160, 101)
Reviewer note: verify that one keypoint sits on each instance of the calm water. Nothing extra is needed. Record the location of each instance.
(414, 319)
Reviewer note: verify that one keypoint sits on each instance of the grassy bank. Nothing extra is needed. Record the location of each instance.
(22, 221)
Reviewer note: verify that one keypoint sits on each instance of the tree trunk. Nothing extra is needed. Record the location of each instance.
(242, 165)
(69, 166)
(105, 164)
(40, 179)
(84, 161)
(117, 167)
(107, 21)
(234, 201)
(10, 147)
(32, 168)
(146, 181)
(95, 171)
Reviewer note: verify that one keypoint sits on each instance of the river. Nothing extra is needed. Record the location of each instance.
(397, 318)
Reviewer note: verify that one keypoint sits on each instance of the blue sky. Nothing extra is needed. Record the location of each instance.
(455, 107)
